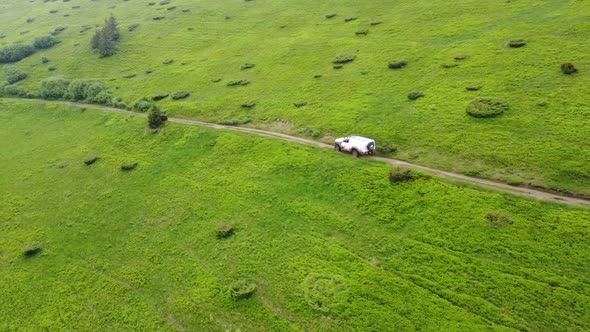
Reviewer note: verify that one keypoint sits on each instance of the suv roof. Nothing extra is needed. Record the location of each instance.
(360, 138)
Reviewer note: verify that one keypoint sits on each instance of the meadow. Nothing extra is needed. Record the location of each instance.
(328, 242)
(542, 140)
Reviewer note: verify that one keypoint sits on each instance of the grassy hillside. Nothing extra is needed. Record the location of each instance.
(542, 140)
(330, 244)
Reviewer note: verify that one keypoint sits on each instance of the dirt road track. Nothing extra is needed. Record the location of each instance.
(497, 186)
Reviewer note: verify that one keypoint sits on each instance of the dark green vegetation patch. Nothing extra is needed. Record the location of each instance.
(485, 107)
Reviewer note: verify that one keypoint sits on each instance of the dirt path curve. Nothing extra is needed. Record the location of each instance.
(497, 186)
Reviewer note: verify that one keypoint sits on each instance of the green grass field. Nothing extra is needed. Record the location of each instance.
(542, 140)
(330, 244)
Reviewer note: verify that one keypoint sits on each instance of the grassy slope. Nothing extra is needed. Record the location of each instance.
(137, 250)
(543, 145)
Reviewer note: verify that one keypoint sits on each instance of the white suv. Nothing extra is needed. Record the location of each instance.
(357, 145)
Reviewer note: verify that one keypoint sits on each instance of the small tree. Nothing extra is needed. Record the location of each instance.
(155, 118)
(104, 40)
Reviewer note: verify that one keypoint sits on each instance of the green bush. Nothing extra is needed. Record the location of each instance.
(238, 82)
(415, 95)
(362, 32)
(386, 149)
(54, 87)
(517, 43)
(15, 53)
(374, 23)
(247, 66)
(461, 57)
(57, 31)
(15, 91)
(44, 60)
(248, 104)
(324, 292)
(129, 166)
(133, 27)
(52, 68)
(155, 118)
(497, 219)
(141, 105)
(399, 175)
(84, 90)
(473, 87)
(485, 107)
(13, 74)
(397, 64)
(224, 231)
(160, 96)
(236, 122)
(300, 104)
(330, 16)
(167, 61)
(344, 58)
(90, 160)
(449, 65)
(349, 19)
(102, 98)
(33, 251)
(242, 289)
(44, 42)
(180, 95)
(568, 68)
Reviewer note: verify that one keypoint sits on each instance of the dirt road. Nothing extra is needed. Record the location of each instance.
(498, 186)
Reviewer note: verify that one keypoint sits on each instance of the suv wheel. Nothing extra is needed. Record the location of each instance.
(337, 147)
(355, 153)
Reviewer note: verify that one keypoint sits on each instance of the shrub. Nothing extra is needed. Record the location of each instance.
(461, 57)
(317, 76)
(155, 118)
(362, 32)
(249, 104)
(15, 90)
(141, 105)
(164, 2)
(44, 42)
(238, 82)
(236, 122)
(160, 96)
(171, 8)
(224, 231)
(129, 166)
(241, 289)
(15, 53)
(102, 98)
(52, 68)
(44, 60)
(344, 58)
(497, 219)
(568, 68)
(415, 95)
(130, 75)
(180, 95)
(449, 65)
(133, 27)
(310, 132)
(397, 64)
(514, 181)
(376, 23)
(337, 66)
(167, 61)
(84, 90)
(349, 19)
(473, 87)
(300, 104)
(247, 66)
(57, 31)
(90, 160)
(158, 17)
(54, 87)
(325, 292)
(330, 16)
(386, 149)
(53, 11)
(399, 175)
(485, 107)
(33, 251)
(517, 43)
(13, 74)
